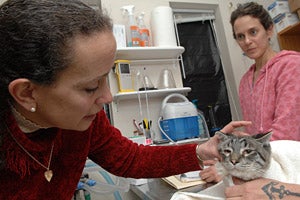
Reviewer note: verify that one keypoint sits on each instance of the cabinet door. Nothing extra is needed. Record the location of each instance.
(289, 38)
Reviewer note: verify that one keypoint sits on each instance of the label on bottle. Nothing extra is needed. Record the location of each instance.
(144, 37)
(135, 36)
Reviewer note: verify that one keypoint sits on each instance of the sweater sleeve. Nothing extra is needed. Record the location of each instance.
(286, 123)
(122, 157)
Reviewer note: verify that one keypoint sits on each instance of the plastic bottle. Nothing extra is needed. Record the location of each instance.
(133, 36)
(200, 122)
(203, 130)
(144, 32)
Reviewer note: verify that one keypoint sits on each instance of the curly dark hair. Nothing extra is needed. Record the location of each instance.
(254, 10)
(36, 38)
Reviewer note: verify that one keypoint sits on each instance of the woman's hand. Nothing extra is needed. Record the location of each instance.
(233, 127)
(261, 189)
(208, 150)
(248, 190)
(210, 174)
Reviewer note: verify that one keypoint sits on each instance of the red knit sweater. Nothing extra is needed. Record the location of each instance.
(23, 178)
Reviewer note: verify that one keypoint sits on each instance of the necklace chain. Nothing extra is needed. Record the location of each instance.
(31, 156)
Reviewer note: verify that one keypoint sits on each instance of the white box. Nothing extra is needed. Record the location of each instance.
(278, 7)
(284, 20)
(120, 35)
(138, 139)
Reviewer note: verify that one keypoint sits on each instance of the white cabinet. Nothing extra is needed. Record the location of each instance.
(138, 105)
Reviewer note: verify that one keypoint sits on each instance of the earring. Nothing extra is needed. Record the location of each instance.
(32, 109)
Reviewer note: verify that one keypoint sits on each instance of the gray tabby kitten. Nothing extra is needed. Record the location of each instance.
(245, 157)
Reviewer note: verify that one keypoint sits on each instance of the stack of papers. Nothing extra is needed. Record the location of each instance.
(184, 180)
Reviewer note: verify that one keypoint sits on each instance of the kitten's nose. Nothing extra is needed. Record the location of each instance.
(234, 161)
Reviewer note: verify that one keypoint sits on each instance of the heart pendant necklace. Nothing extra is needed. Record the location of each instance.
(48, 173)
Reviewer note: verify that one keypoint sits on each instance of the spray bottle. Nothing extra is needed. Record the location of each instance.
(133, 38)
(144, 32)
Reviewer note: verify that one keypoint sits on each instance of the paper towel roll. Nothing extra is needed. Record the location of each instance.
(162, 27)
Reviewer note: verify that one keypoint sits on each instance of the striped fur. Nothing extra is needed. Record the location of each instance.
(245, 157)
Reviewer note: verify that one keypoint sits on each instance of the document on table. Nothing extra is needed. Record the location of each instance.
(184, 180)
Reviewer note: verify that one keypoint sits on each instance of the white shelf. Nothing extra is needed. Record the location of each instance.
(150, 93)
(186, 141)
(147, 53)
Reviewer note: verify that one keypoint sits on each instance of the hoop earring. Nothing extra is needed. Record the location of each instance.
(32, 109)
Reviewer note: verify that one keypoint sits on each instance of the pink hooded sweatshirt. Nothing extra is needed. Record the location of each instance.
(272, 103)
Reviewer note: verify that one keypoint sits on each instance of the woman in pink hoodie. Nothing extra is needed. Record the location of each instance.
(269, 91)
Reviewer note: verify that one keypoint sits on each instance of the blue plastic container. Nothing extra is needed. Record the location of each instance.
(180, 128)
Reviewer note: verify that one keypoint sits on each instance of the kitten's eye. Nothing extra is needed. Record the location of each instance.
(247, 152)
(227, 151)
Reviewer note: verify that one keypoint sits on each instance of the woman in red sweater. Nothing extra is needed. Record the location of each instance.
(55, 58)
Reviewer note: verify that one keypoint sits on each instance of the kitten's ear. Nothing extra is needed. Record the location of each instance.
(264, 137)
(222, 136)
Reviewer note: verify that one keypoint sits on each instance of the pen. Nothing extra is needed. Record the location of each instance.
(147, 124)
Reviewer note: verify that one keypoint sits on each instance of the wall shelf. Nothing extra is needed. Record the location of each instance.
(289, 38)
(134, 105)
(148, 53)
(150, 93)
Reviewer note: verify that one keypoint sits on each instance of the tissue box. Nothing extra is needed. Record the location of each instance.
(285, 20)
(278, 7)
(120, 35)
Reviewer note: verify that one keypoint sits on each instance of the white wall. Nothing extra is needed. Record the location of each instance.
(235, 64)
